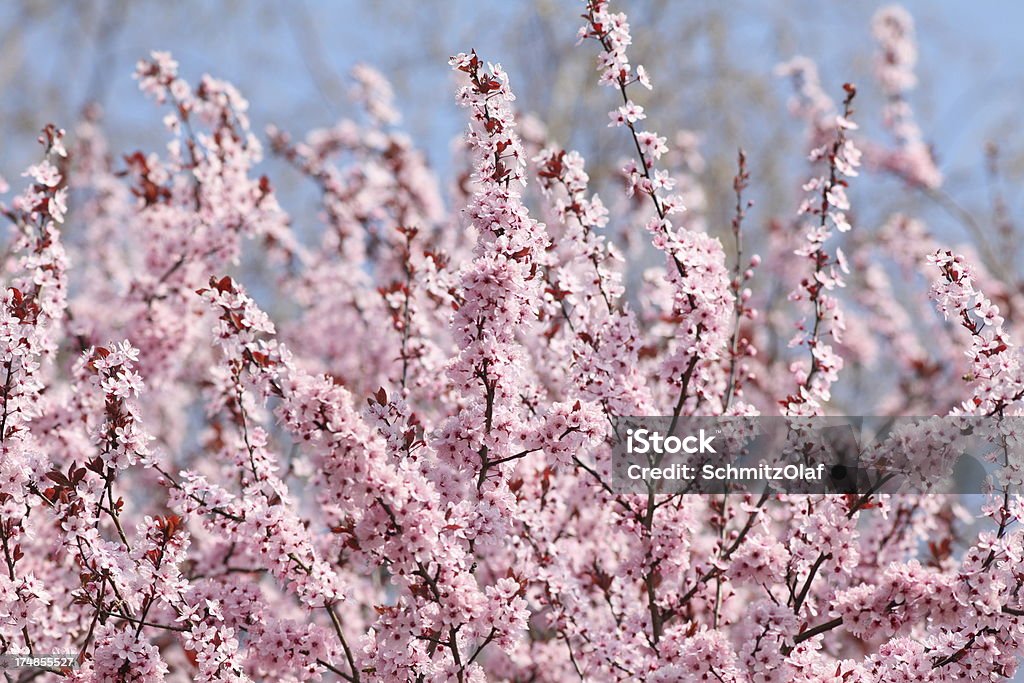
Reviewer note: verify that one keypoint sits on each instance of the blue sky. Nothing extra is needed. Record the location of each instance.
(272, 50)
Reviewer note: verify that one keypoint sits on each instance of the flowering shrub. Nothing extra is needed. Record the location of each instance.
(406, 475)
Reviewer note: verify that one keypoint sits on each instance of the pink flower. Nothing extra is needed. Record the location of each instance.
(404, 465)
(44, 173)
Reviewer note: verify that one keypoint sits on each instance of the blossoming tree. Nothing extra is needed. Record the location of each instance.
(406, 475)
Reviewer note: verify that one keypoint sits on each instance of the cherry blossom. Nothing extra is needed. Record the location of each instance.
(401, 465)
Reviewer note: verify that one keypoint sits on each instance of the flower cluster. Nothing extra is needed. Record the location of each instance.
(912, 159)
(809, 100)
(826, 206)
(996, 373)
(701, 300)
